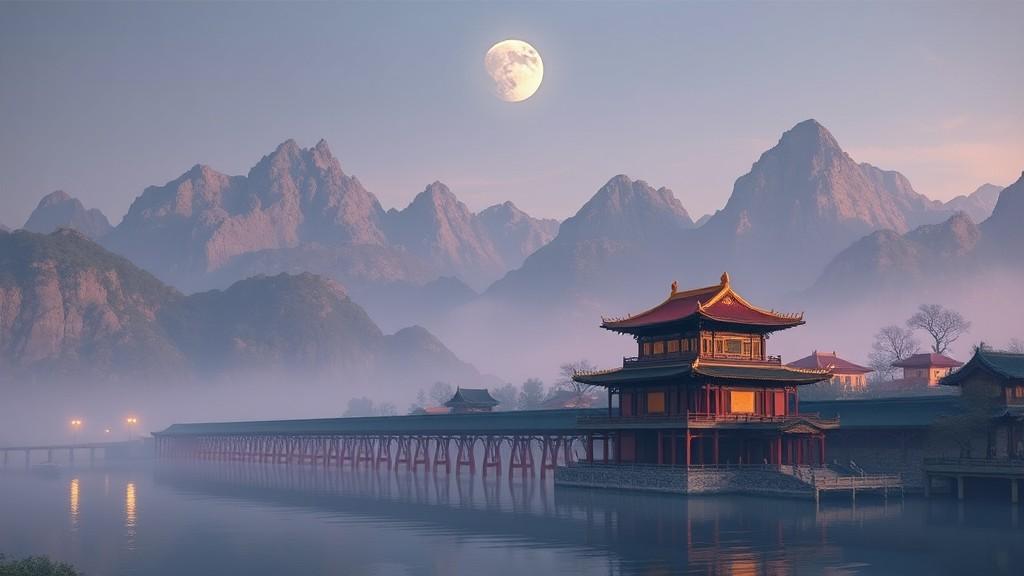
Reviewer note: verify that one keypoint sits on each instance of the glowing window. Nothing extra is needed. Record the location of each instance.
(741, 401)
(734, 346)
(647, 348)
(673, 346)
(655, 402)
(659, 347)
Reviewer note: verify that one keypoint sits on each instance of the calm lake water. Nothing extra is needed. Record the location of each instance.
(276, 520)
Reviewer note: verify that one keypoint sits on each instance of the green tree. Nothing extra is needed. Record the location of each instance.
(507, 397)
(532, 395)
(441, 392)
(359, 407)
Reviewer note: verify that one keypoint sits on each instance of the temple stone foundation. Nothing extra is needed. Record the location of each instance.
(680, 480)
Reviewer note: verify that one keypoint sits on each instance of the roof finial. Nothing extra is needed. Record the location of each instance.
(675, 287)
(725, 278)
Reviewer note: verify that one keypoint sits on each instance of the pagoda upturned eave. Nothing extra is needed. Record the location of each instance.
(714, 305)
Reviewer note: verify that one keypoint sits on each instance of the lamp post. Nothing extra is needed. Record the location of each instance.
(76, 424)
(131, 421)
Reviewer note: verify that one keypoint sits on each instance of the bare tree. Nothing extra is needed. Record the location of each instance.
(441, 392)
(944, 326)
(386, 409)
(892, 344)
(566, 382)
(1016, 346)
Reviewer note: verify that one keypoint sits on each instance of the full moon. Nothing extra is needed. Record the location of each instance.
(516, 69)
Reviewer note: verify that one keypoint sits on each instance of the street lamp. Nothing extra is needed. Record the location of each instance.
(76, 424)
(131, 421)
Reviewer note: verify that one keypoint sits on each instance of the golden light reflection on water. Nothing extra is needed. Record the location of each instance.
(129, 514)
(73, 498)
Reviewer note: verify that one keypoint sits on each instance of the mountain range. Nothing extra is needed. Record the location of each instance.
(806, 224)
(71, 310)
(296, 207)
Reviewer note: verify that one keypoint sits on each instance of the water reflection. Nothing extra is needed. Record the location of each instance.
(261, 519)
(129, 514)
(73, 503)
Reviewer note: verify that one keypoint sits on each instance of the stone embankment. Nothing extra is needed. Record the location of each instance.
(682, 480)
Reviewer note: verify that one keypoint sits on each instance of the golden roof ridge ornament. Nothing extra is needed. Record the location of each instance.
(725, 278)
(675, 287)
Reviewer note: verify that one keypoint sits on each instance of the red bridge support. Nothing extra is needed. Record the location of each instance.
(375, 451)
(492, 453)
(465, 456)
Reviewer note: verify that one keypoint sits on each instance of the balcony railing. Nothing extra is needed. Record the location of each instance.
(980, 463)
(670, 357)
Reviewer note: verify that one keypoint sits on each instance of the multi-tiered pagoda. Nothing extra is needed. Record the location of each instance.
(702, 389)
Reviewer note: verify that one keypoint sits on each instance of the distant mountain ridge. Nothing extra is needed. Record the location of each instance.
(60, 210)
(70, 309)
(945, 253)
(978, 204)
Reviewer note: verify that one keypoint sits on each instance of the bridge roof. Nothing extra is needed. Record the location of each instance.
(902, 412)
(525, 421)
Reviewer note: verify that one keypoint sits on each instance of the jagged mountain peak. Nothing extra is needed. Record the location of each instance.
(59, 209)
(437, 227)
(956, 236)
(437, 194)
(624, 206)
(55, 197)
(809, 135)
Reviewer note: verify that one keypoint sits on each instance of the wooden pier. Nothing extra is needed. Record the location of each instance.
(962, 470)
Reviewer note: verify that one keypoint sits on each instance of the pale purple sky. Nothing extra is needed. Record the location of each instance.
(102, 100)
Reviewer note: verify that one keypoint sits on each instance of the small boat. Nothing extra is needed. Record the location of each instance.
(46, 469)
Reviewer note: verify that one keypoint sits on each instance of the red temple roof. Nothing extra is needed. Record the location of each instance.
(719, 302)
(928, 361)
(825, 360)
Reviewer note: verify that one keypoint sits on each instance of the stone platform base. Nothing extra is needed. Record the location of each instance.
(681, 480)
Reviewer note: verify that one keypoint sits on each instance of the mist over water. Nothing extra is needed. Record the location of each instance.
(211, 518)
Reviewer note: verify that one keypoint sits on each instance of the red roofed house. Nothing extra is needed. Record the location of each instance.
(844, 373)
(926, 369)
(703, 390)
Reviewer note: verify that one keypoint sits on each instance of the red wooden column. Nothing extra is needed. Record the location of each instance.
(778, 451)
(688, 439)
(821, 449)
